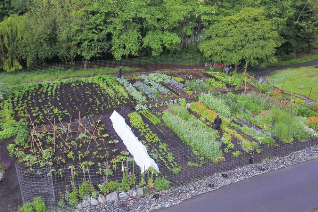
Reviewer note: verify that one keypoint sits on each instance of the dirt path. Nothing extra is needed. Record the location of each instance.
(10, 194)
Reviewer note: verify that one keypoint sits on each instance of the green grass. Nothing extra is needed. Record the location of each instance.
(54, 73)
(311, 57)
(292, 79)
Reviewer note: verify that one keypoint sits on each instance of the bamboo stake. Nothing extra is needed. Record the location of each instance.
(58, 132)
(34, 129)
(79, 121)
(54, 135)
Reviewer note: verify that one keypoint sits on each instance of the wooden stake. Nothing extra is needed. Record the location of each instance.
(54, 134)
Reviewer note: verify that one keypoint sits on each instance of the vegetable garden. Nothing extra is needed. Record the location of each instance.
(65, 125)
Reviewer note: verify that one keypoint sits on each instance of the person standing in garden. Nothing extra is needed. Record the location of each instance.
(217, 123)
(226, 69)
(120, 70)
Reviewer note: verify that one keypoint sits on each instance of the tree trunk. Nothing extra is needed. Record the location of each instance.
(182, 34)
(190, 44)
(198, 33)
(310, 47)
(235, 67)
(245, 76)
(85, 64)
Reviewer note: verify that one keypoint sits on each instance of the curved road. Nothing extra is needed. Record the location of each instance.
(292, 189)
(299, 65)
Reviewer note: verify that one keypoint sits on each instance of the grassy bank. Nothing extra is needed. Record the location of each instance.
(54, 73)
(308, 58)
(300, 80)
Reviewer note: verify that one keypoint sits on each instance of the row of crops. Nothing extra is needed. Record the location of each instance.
(67, 122)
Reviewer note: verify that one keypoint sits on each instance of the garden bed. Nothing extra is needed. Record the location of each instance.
(65, 125)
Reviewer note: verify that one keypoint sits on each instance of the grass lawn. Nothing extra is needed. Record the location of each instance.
(313, 56)
(23, 76)
(294, 79)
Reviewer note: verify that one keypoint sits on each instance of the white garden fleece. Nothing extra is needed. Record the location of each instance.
(134, 146)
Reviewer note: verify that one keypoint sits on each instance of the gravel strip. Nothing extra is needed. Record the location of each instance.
(177, 195)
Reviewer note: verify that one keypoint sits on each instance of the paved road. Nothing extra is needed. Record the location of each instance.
(259, 71)
(293, 189)
(305, 64)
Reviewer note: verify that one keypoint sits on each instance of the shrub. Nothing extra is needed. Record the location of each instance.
(161, 183)
(39, 204)
(108, 187)
(72, 197)
(125, 184)
(27, 207)
(85, 190)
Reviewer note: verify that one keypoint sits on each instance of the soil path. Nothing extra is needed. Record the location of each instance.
(10, 194)
(287, 190)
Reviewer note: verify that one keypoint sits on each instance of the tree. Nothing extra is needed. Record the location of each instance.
(307, 22)
(246, 36)
(11, 38)
(90, 30)
(5, 9)
(41, 34)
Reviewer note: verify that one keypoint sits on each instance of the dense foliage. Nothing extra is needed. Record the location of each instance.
(36, 31)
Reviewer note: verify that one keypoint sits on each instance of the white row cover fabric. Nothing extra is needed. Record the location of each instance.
(134, 146)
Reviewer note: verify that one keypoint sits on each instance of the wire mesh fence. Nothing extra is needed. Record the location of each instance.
(52, 185)
(139, 64)
(36, 182)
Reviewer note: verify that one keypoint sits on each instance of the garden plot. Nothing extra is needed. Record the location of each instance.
(65, 101)
(171, 113)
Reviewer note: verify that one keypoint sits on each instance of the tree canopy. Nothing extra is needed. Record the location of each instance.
(35, 31)
(246, 36)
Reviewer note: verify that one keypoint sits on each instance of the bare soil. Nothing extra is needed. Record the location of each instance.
(82, 101)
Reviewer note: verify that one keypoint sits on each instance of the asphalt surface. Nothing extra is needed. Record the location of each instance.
(259, 71)
(292, 189)
(299, 65)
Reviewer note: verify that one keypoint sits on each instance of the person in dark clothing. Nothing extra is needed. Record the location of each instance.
(119, 72)
(217, 122)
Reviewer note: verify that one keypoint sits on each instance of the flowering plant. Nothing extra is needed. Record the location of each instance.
(313, 122)
(264, 119)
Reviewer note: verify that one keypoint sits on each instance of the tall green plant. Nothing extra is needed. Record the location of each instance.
(216, 104)
(194, 133)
